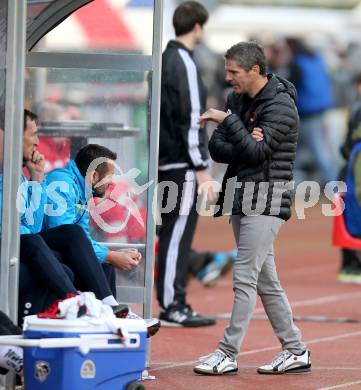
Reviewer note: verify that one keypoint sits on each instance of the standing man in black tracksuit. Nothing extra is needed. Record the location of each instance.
(182, 160)
(259, 204)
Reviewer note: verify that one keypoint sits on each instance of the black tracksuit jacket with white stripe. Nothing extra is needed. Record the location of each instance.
(182, 143)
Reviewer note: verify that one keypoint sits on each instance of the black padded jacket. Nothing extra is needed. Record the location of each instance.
(258, 180)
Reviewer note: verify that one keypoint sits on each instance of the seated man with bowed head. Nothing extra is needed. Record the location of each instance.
(89, 174)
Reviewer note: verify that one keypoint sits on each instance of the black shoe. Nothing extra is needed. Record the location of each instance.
(184, 316)
(153, 324)
(8, 327)
(206, 320)
(121, 311)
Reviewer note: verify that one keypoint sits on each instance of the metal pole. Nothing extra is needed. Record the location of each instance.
(14, 108)
(153, 156)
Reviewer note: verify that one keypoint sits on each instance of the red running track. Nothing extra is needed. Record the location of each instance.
(307, 266)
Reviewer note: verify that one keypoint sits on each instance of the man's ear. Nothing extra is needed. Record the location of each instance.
(95, 176)
(197, 28)
(256, 69)
(92, 177)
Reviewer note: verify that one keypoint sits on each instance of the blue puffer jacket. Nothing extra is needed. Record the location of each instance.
(32, 197)
(32, 207)
(67, 200)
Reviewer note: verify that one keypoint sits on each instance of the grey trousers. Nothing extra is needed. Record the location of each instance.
(255, 273)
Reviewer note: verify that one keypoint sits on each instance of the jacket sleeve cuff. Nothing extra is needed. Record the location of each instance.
(201, 167)
(233, 123)
(102, 253)
(229, 120)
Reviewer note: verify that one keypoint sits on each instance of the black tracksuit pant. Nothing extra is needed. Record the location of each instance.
(34, 295)
(46, 253)
(175, 236)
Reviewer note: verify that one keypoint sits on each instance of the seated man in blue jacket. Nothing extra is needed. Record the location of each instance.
(44, 253)
(69, 184)
(71, 187)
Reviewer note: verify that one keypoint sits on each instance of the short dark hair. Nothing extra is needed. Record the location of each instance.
(29, 115)
(298, 46)
(248, 54)
(89, 153)
(187, 15)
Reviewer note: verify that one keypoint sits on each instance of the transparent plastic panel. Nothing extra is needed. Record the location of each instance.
(118, 26)
(3, 25)
(2, 126)
(2, 114)
(77, 107)
(36, 7)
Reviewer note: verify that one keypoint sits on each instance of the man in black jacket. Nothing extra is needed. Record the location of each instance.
(182, 161)
(260, 202)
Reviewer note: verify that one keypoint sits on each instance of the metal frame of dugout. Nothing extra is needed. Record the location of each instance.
(80, 131)
(19, 36)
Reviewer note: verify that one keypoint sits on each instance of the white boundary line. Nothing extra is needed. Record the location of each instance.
(267, 349)
(341, 385)
(326, 299)
(336, 368)
(307, 302)
(320, 368)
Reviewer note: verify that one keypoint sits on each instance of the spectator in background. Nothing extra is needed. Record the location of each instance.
(183, 160)
(211, 66)
(55, 149)
(309, 75)
(354, 121)
(350, 271)
(279, 59)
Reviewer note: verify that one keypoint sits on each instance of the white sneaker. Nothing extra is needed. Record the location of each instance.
(153, 324)
(286, 362)
(217, 363)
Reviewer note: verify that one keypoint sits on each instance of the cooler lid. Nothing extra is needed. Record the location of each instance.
(81, 325)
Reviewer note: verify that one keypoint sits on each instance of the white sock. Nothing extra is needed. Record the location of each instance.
(110, 300)
(11, 358)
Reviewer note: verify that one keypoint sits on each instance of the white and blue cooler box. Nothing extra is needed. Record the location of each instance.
(81, 354)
